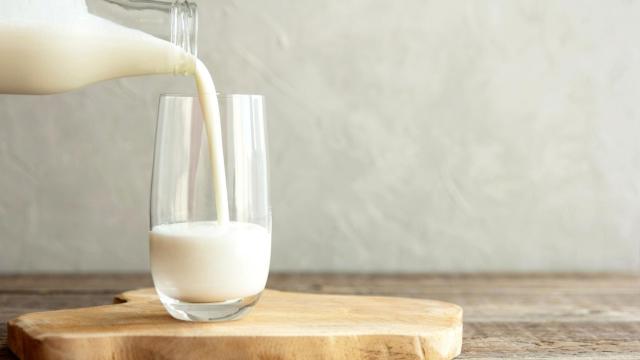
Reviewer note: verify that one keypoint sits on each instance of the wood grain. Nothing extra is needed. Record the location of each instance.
(515, 316)
(284, 325)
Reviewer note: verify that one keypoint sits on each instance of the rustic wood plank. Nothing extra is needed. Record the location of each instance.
(73, 283)
(550, 339)
(563, 316)
(408, 283)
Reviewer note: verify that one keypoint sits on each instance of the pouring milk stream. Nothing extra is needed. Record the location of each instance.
(50, 47)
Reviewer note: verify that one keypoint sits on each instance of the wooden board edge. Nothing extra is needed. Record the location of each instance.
(25, 345)
(15, 338)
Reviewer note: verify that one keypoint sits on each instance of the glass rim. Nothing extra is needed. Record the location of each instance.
(195, 96)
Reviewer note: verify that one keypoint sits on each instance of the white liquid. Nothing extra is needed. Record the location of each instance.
(206, 262)
(44, 50)
(42, 57)
(211, 115)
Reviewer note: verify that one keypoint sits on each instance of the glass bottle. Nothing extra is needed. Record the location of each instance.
(175, 21)
(50, 47)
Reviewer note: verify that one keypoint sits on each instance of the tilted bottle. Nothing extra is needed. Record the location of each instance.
(55, 46)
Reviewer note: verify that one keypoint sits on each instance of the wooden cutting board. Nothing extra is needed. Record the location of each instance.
(283, 325)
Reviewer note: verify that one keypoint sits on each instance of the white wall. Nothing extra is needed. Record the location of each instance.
(405, 136)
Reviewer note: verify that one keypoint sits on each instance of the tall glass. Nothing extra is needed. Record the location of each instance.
(203, 269)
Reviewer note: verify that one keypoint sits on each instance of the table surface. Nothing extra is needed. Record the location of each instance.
(560, 316)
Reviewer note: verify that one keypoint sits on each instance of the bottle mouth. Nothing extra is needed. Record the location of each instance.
(184, 25)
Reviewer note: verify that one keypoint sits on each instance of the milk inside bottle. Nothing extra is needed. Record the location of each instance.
(55, 46)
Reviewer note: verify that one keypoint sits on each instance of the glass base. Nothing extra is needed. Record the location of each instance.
(217, 311)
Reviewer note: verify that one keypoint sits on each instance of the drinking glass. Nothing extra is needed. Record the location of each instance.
(205, 269)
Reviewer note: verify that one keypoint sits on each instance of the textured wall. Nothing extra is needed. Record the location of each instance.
(405, 136)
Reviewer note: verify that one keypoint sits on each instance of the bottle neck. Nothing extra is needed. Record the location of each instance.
(184, 26)
(172, 20)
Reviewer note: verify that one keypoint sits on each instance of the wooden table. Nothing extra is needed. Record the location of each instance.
(506, 316)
